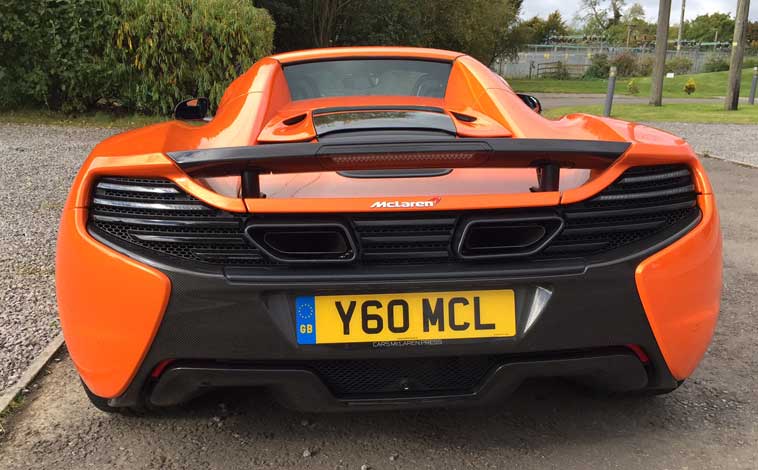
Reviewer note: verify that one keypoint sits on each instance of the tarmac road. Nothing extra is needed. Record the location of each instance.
(710, 422)
(557, 100)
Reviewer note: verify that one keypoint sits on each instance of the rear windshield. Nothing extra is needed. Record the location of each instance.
(367, 77)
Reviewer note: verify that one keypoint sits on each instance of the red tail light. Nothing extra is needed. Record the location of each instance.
(639, 352)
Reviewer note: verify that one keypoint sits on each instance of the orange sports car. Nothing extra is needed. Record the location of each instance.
(382, 227)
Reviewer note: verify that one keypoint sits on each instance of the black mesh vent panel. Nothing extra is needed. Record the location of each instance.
(157, 215)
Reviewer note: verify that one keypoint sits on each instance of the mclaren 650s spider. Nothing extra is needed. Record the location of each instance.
(384, 227)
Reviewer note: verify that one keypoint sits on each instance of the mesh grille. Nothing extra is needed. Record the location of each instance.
(644, 201)
(157, 215)
(376, 377)
(405, 237)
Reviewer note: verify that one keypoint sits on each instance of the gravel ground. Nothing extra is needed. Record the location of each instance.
(710, 422)
(735, 142)
(38, 165)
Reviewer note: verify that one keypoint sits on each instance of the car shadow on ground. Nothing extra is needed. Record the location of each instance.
(539, 411)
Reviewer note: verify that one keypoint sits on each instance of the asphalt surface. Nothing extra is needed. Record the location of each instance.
(710, 422)
(555, 100)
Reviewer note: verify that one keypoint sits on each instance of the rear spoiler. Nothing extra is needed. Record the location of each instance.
(547, 155)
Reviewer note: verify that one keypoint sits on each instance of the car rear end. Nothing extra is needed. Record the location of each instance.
(397, 259)
(258, 298)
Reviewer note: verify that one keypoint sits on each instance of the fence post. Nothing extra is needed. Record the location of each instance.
(611, 90)
(751, 100)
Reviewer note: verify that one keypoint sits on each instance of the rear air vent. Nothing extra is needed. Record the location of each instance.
(405, 237)
(642, 202)
(463, 117)
(157, 215)
(294, 120)
(642, 207)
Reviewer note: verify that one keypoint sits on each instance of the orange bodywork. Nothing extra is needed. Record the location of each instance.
(110, 306)
(107, 298)
(680, 288)
(255, 106)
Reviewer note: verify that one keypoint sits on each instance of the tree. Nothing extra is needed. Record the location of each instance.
(303, 24)
(540, 31)
(292, 18)
(484, 29)
(637, 25)
(712, 27)
(325, 14)
(600, 16)
(634, 13)
(631, 26)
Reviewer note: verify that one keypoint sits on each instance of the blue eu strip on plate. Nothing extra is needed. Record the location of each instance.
(305, 319)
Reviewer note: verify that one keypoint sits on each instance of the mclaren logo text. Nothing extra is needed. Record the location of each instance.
(404, 204)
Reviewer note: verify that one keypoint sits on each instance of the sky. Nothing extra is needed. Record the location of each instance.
(568, 8)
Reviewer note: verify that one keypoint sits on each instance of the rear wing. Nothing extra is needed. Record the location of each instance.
(546, 155)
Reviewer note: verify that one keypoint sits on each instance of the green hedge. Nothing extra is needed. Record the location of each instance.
(51, 52)
(139, 55)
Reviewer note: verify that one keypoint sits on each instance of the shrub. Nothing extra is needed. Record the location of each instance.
(632, 87)
(599, 67)
(679, 65)
(690, 86)
(561, 72)
(146, 54)
(174, 50)
(749, 63)
(645, 66)
(716, 63)
(51, 53)
(625, 64)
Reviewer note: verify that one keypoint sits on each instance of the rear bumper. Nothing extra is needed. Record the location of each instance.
(303, 389)
(236, 328)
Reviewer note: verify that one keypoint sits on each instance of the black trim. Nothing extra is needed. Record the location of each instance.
(342, 109)
(400, 173)
(552, 223)
(463, 117)
(259, 241)
(295, 157)
(361, 57)
(251, 184)
(548, 177)
(301, 388)
(389, 120)
(294, 119)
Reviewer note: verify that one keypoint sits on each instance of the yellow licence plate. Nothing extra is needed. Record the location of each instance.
(418, 316)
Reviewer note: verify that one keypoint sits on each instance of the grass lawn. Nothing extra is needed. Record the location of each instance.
(677, 112)
(708, 85)
(98, 119)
